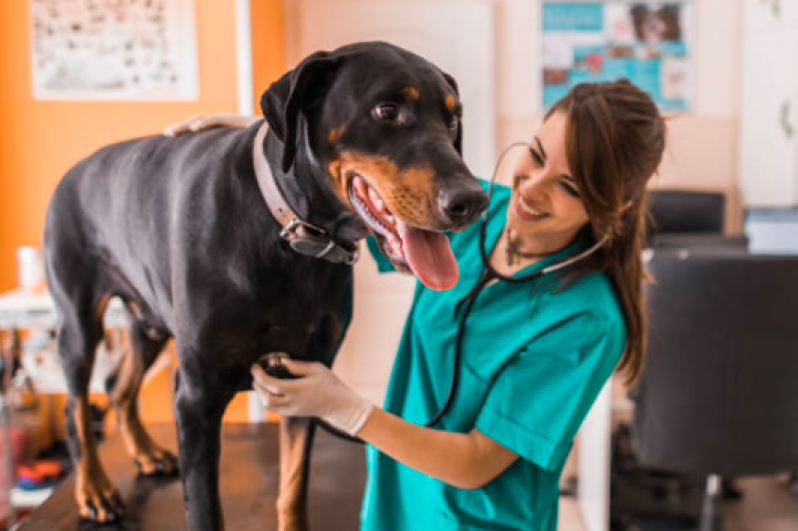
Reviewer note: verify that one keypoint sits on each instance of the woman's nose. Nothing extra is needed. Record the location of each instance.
(534, 186)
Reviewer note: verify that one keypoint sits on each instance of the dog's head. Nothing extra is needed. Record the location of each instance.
(385, 127)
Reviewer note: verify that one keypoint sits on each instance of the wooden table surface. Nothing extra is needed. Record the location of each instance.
(248, 485)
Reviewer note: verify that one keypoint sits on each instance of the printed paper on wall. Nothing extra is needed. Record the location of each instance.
(646, 43)
(113, 49)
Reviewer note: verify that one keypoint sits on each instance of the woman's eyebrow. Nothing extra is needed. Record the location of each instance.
(543, 156)
(540, 147)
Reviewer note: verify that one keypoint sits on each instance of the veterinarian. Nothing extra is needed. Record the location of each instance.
(552, 290)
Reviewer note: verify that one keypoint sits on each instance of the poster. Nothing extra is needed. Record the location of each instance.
(113, 49)
(647, 43)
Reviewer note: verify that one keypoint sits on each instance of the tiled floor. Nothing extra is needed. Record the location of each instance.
(766, 506)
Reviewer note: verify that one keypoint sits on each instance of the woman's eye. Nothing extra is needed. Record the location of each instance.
(570, 190)
(536, 157)
(387, 112)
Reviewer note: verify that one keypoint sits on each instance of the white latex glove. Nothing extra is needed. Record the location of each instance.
(198, 123)
(317, 393)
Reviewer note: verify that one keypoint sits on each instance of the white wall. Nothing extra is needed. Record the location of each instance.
(702, 143)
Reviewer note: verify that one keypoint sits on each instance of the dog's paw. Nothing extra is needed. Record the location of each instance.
(160, 463)
(104, 507)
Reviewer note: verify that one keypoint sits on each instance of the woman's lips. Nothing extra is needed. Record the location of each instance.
(526, 212)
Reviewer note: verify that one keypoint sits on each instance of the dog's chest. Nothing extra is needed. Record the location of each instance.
(309, 315)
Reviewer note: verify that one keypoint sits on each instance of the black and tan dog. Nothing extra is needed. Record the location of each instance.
(363, 139)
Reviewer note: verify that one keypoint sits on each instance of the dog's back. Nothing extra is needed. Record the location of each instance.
(123, 211)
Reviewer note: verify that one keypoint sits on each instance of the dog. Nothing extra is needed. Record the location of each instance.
(654, 25)
(364, 139)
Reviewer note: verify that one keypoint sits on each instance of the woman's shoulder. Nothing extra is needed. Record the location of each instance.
(589, 301)
(584, 319)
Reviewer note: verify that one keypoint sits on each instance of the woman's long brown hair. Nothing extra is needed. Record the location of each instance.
(615, 142)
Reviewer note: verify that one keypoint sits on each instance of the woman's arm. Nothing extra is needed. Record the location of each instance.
(464, 460)
(198, 123)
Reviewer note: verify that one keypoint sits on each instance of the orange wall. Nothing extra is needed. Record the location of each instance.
(40, 140)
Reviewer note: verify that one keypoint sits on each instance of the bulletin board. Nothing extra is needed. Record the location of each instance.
(113, 49)
(647, 43)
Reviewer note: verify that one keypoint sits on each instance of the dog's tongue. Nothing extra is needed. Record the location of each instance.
(429, 256)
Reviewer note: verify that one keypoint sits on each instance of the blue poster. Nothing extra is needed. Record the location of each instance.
(645, 43)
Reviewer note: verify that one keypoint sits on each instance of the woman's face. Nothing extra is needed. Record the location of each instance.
(546, 209)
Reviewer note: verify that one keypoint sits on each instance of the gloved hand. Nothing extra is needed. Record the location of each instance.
(316, 393)
(198, 123)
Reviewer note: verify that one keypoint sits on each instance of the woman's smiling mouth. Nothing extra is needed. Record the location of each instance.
(527, 212)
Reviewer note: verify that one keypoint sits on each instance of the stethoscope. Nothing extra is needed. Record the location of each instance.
(488, 274)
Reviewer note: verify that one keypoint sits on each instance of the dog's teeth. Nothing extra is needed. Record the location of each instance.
(359, 186)
(390, 219)
(376, 200)
(397, 247)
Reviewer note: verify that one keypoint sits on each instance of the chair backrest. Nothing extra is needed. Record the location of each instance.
(687, 211)
(719, 393)
(701, 241)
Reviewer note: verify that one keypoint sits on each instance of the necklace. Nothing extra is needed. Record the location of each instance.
(514, 254)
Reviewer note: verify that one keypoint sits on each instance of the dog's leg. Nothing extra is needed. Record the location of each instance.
(97, 498)
(200, 400)
(296, 439)
(151, 459)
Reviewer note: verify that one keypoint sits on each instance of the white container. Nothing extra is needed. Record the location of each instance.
(30, 268)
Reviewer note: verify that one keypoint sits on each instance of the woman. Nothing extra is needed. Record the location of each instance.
(535, 351)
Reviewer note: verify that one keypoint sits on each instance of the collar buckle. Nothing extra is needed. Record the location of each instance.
(303, 237)
(310, 240)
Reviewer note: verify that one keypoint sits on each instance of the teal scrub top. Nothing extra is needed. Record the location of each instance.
(533, 362)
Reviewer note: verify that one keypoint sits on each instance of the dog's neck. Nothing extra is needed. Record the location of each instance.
(305, 188)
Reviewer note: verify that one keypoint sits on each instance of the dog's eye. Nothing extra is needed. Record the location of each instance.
(387, 112)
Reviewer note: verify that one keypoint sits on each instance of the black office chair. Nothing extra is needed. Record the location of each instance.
(686, 219)
(718, 395)
(687, 211)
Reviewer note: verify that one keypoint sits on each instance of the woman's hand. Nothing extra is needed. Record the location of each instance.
(465, 460)
(198, 123)
(316, 393)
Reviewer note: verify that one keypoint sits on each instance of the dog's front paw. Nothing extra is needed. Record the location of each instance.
(104, 506)
(158, 463)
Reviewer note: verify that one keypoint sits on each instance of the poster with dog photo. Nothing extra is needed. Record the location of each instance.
(113, 49)
(646, 43)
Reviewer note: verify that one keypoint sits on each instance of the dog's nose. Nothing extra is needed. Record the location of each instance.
(462, 206)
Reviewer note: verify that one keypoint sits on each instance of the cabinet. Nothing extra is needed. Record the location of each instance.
(768, 149)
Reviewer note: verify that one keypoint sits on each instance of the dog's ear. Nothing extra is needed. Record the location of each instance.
(458, 136)
(293, 93)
